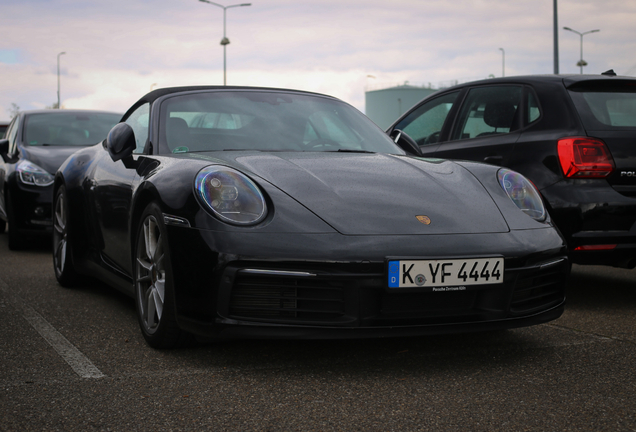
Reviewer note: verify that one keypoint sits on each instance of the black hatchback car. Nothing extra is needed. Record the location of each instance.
(36, 144)
(573, 136)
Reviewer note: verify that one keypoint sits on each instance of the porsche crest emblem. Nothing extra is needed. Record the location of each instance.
(424, 219)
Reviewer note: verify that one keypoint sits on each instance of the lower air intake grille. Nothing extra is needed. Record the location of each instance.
(293, 298)
(538, 288)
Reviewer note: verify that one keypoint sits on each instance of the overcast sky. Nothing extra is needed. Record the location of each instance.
(116, 50)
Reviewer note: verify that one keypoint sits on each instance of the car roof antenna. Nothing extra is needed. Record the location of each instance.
(609, 72)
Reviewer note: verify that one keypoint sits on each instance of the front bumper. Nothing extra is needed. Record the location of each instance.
(31, 207)
(346, 296)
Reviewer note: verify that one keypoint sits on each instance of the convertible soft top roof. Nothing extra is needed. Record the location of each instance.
(156, 94)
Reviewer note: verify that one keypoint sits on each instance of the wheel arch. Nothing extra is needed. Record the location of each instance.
(146, 194)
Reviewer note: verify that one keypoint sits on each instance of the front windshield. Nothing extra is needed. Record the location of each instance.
(267, 121)
(68, 128)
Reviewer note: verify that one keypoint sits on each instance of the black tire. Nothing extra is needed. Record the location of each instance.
(16, 242)
(154, 283)
(3, 226)
(65, 272)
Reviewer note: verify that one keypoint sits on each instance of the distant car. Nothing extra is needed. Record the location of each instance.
(573, 136)
(243, 212)
(36, 144)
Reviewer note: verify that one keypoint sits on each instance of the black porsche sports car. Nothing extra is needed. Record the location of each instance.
(245, 212)
(36, 144)
(573, 136)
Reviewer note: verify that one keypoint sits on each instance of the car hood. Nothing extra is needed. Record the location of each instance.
(362, 194)
(49, 158)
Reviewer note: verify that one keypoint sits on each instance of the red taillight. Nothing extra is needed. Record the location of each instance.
(595, 247)
(582, 157)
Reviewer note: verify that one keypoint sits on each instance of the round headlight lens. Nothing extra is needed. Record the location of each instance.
(32, 174)
(230, 195)
(523, 193)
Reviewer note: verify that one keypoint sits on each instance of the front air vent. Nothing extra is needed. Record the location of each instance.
(287, 298)
(539, 288)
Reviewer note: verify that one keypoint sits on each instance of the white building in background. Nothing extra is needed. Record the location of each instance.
(384, 106)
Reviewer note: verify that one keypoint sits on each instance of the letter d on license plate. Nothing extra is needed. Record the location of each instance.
(445, 273)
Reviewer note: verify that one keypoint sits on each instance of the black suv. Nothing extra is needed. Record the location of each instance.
(573, 136)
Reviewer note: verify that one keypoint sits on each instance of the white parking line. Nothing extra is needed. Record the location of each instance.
(74, 357)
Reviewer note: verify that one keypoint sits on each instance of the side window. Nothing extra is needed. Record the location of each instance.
(533, 112)
(139, 121)
(488, 111)
(425, 123)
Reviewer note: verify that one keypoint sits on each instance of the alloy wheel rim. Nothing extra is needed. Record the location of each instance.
(60, 234)
(151, 275)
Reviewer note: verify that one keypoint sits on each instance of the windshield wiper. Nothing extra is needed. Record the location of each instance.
(353, 151)
(245, 149)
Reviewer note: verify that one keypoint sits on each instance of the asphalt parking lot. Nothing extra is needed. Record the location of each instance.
(74, 359)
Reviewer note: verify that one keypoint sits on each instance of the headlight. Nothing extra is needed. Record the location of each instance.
(32, 174)
(230, 195)
(522, 193)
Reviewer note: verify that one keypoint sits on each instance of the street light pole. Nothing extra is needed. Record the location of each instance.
(581, 62)
(58, 79)
(225, 41)
(555, 19)
(503, 62)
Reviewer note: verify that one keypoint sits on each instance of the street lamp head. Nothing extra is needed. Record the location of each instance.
(225, 41)
(581, 62)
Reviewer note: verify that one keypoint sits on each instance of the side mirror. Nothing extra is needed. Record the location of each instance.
(4, 148)
(121, 142)
(405, 142)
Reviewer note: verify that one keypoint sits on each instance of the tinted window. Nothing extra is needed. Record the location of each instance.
(610, 109)
(139, 121)
(268, 121)
(605, 104)
(488, 111)
(68, 129)
(425, 123)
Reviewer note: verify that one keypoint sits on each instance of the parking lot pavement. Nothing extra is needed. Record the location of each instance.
(575, 373)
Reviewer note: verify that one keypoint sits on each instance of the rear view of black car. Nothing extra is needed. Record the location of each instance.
(573, 136)
(36, 144)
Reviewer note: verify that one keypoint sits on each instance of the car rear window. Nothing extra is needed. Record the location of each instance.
(606, 106)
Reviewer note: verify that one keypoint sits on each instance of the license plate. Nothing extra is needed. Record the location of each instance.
(442, 275)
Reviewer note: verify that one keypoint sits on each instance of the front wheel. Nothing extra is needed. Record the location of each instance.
(154, 290)
(62, 261)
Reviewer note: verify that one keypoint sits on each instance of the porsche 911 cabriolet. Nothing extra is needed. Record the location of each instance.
(234, 212)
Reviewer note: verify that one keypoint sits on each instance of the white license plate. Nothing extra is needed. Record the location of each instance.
(446, 274)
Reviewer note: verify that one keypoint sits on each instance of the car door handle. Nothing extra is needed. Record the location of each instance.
(495, 160)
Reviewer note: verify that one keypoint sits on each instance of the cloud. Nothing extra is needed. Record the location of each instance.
(116, 50)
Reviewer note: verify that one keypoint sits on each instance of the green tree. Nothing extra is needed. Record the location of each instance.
(14, 110)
